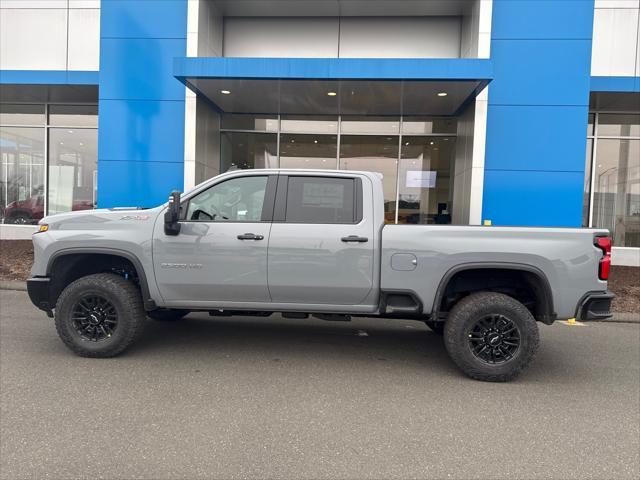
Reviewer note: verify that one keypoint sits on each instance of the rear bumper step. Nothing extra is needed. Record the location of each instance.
(595, 306)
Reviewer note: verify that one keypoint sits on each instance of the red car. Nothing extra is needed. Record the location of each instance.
(29, 211)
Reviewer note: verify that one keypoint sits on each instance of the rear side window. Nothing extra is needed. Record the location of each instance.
(321, 200)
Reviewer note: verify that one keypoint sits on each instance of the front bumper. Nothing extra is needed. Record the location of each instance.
(595, 306)
(38, 289)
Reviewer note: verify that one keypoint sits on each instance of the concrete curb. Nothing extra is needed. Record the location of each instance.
(623, 317)
(13, 285)
(619, 317)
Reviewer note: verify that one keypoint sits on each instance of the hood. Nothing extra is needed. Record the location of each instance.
(102, 218)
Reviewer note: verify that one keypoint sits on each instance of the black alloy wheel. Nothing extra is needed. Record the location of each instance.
(100, 315)
(491, 336)
(94, 318)
(494, 339)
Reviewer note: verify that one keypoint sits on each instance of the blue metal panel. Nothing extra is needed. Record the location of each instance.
(334, 68)
(540, 72)
(140, 69)
(542, 19)
(141, 134)
(48, 77)
(550, 138)
(615, 84)
(137, 184)
(142, 131)
(543, 198)
(537, 120)
(143, 19)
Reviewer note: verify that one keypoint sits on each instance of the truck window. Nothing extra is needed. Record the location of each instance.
(235, 200)
(321, 200)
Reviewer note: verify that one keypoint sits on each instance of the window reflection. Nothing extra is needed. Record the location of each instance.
(259, 123)
(368, 143)
(308, 124)
(428, 125)
(21, 114)
(370, 124)
(586, 199)
(308, 151)
(21, 175)
(73, 168)
(616, 202)
(73, 115)
(248, 150)
(374, 154)
(425, 180)
(619, 125)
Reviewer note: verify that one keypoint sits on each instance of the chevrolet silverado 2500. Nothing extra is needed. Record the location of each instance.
(313, 242)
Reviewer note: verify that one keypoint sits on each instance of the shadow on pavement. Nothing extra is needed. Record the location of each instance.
(279, 338)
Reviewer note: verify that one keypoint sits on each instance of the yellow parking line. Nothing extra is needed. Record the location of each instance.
(572, 322)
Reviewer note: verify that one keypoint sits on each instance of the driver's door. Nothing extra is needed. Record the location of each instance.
(220, 254)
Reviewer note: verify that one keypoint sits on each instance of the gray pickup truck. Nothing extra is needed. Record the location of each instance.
(313, 242)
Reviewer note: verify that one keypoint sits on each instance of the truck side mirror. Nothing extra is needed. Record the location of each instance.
(172, 215)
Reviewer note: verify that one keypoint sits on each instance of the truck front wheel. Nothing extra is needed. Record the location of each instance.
(491, 336)
(99, 315)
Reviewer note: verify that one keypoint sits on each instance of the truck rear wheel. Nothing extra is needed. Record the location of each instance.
(99, 315)
(491, 336)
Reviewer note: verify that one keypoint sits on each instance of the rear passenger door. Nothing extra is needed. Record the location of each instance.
(321, 245)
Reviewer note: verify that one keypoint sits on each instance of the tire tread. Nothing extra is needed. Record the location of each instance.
(468, 307)
(131, 299)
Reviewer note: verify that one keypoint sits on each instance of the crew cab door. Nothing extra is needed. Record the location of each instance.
(321, 246)
(220, 253)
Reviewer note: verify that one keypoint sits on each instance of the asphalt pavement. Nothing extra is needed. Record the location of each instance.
(302, 399)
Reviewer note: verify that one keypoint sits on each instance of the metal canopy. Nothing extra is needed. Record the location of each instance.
(335, 86)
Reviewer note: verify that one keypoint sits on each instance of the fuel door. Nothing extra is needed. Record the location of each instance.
(404, 261)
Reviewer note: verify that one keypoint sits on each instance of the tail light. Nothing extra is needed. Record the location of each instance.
(604, 244)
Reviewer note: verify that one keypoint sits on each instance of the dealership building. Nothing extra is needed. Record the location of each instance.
(494, 112)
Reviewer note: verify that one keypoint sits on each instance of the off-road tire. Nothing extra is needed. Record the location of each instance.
(127, 302)
(436, 327)
(462, 319)
(168, 315)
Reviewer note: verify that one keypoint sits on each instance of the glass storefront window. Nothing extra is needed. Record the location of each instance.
(21, 114)
(22, 174)
(616, 201)
(351, 142)
(248, 150)
(424, 179)
(618, 125)
(428, 125)
(374, 154)
(73, 115)
(258, 123)
(308, 151)
(587, 184)
(371, 125)
(73, 168)
(308, 124)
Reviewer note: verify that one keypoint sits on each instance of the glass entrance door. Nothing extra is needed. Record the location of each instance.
(414, 155)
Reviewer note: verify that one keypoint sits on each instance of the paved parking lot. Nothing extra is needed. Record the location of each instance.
(276, 398)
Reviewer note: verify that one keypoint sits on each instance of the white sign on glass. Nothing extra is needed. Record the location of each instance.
(60, 189)
(421, 179)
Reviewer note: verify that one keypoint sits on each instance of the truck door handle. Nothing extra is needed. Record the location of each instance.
(354, 238)
(250, 236)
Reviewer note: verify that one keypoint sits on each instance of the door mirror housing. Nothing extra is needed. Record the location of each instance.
(172, 215)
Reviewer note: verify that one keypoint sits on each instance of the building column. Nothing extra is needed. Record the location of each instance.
(141, 104)
(537, 112)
